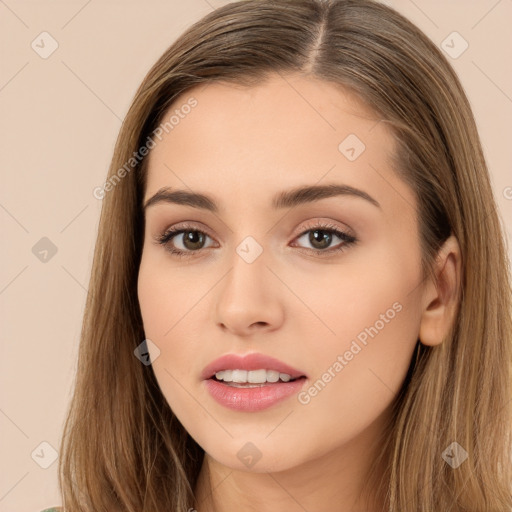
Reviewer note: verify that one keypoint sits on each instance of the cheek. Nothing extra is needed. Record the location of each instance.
(358, 380)
(168, 296)
(368, 295)
(170, 301)
(359, 370)
(167, 303)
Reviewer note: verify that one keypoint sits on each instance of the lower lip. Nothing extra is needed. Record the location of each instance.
(252, 399)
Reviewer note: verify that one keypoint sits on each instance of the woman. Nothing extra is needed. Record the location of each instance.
(299, 234)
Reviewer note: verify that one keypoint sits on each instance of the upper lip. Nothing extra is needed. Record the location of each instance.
(254, 361)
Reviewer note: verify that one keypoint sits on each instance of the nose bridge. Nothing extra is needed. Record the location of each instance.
(248, 295)
(248, 277)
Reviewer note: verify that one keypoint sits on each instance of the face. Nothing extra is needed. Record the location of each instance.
(326, 283)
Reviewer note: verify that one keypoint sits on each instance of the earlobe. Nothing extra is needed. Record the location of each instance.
(441, 298)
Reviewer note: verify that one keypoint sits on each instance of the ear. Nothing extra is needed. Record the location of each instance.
(441, 296)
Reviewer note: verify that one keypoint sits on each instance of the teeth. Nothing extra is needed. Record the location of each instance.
(227, 377)
(257, 376)
(272, 376)
(239, 376)
(252, 376)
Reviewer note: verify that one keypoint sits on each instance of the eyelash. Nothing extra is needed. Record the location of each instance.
(168, 235)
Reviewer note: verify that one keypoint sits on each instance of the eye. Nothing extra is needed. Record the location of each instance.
(190, 240)
(321, 236)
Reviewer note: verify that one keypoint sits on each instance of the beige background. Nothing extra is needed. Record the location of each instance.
(60, 118)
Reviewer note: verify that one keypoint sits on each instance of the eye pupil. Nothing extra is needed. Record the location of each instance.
(191, 237)
(314, 238)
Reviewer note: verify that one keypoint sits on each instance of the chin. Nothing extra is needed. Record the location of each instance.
(256, 457)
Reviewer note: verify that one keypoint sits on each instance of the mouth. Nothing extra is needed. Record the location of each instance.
(251, 382)
(253, 368)
(253, 378)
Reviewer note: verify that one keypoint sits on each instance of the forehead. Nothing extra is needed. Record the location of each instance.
(245, 143)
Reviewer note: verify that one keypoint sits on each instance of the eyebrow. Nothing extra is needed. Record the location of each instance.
(285, 199)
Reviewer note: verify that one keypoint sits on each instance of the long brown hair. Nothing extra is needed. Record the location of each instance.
(122, 447)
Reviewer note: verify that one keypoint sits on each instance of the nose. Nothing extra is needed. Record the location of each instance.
(249, 299)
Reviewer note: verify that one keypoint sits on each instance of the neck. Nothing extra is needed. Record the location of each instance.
(333, 481)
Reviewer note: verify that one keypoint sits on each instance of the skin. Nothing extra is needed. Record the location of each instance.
(243, 145)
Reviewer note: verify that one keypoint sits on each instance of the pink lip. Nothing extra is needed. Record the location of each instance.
(255, 398)
(249, 362)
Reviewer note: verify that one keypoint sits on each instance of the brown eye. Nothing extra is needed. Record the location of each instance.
(321, 237)
(193, 239)
(183, 241)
